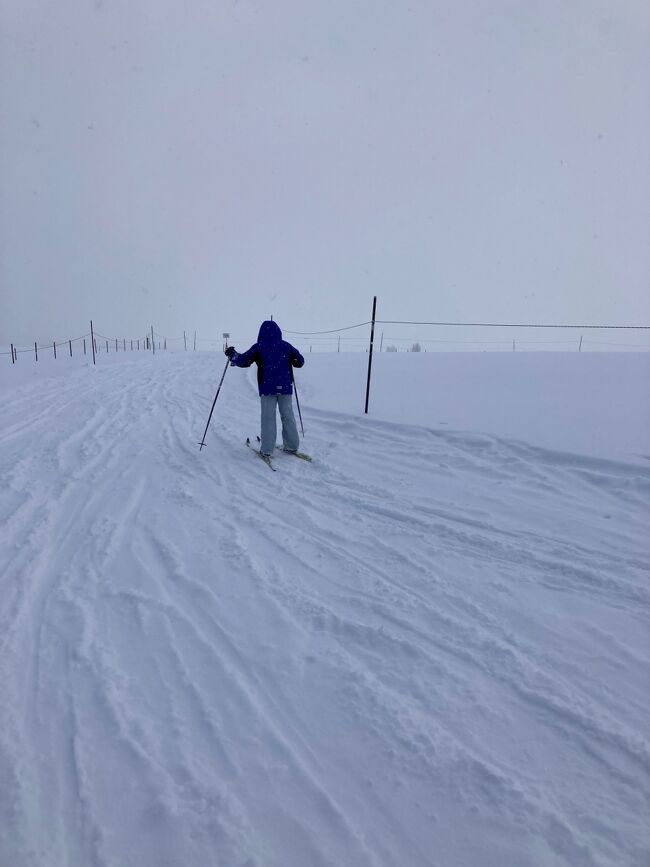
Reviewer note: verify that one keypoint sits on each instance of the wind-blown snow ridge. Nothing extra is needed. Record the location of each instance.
(426, 648)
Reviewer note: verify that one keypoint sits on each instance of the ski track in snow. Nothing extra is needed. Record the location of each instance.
(424, 648)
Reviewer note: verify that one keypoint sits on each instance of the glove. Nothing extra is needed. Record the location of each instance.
(230, 352)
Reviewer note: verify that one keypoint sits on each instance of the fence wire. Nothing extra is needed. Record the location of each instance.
(513, 325)
(321, 338)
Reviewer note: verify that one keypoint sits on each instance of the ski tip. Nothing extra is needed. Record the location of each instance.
(267, 461)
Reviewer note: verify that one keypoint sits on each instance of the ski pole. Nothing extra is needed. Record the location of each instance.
(295, 388)
(202, 443)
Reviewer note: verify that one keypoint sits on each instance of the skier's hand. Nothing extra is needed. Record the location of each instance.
(230, 351)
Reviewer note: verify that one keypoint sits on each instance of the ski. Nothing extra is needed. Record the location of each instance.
(265, 458)
(302, 455)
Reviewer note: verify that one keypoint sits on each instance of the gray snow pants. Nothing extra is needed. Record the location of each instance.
(290, 439)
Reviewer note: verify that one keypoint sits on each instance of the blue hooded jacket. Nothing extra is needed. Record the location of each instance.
(274, 358)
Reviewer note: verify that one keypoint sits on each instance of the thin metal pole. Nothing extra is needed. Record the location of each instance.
(339, 346)
(580, 347)
(36, 350)
(13, 358)
(184, 340)
(372, 340)
(295, 388)
(54, 344)
(70, 342)
(225, 370)
(195, 341)
(92, 339)
(381, 342)
(107, 346)
(84, 345)
(116, 344)
(153, 342)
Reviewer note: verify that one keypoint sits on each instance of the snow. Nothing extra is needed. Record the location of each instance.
(429, 647)
(594, 404)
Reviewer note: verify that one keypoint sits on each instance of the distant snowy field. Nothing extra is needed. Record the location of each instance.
(588, 403)
(429, 648)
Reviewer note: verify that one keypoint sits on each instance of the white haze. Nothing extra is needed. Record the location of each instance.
(207, 165)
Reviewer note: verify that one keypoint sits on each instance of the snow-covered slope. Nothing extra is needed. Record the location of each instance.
(429, 647)
(594, 404)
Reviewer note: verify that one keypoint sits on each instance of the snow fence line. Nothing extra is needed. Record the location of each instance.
(152, 341)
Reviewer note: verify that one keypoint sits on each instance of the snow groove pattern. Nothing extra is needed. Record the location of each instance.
(424, 648)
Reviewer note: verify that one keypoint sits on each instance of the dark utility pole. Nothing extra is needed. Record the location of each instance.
(372, 340)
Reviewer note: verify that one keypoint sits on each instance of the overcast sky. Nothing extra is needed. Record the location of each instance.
(209, 164)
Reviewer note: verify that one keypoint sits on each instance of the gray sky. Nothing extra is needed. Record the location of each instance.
(207, 164)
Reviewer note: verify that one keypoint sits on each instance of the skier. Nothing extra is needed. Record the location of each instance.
(274, 358)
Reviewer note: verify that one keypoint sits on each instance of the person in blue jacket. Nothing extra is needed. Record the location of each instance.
(274, 358)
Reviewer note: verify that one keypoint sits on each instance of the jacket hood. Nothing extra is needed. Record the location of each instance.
(269, 332)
